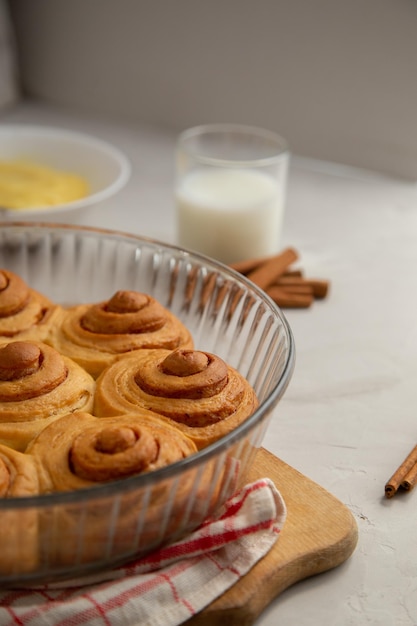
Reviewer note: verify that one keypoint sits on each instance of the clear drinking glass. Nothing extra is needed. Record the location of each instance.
(230, 191)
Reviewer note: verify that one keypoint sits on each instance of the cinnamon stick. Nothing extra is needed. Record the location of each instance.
(319, 287)
(404, 476)
(301, 287)
(288, 300)
(248, 265)
(293, 273)
(286, 286)
(269, 271)
(410, 479)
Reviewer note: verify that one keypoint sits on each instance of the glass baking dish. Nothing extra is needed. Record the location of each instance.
(67, 535)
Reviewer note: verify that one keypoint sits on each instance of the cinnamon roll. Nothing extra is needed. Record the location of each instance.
(37, 385)
(19, 527)
(95, 335)
(80, 451)
(24, 312)
(195, 391)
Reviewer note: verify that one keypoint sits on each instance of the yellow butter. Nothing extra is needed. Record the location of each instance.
(27, 185)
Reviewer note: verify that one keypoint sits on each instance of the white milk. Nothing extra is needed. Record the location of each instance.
(229, 214)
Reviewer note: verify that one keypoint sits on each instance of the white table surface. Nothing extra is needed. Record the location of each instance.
(349, 416)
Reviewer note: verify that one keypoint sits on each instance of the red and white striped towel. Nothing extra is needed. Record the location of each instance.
(170, 585)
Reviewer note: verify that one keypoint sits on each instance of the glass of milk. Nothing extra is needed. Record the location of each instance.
(230, 191)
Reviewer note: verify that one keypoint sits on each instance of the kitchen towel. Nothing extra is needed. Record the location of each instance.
(168, 586)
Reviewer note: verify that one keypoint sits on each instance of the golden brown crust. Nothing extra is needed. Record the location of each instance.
(37, 385)
(69, 455)
(195, 391)
(18, 478)
(80, 450)
(24, 312)
(29, 370)
(95, 335)
(18, 475)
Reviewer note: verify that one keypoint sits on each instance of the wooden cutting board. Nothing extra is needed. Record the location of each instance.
(319, 533)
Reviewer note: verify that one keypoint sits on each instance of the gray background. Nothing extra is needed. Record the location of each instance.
(337, 78)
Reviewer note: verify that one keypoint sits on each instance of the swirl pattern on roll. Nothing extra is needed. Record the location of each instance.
(195, 391)
(24, 312)
(80, 450)
(95, 335)
(37, 385)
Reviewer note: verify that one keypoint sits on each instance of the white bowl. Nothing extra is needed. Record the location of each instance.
(105, 168)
